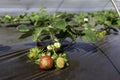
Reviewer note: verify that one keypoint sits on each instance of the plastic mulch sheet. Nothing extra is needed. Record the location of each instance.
(87, 62)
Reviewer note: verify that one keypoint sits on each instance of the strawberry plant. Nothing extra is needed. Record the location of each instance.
(108, 18)
(56, 28)
(46, 26)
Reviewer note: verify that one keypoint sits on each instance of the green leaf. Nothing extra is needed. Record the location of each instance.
(38, 31)
(90, 36)
(60, 24)
(81, 15)
(34, 18)
(8, 16)
(72, 36)
(27, 34)
(118, 21)
(99, 19)
(107, 23)
(22, 28)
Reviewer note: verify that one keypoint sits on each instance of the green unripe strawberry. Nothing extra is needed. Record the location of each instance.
(33, 53)
(54, 56)
(60, 62)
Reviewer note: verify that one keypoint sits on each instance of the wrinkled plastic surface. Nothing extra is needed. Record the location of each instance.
(87, 62)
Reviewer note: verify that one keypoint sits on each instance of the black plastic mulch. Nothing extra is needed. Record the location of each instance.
(87, 62)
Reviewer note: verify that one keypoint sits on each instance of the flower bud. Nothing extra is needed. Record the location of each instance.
(57, 45)
(49, 47)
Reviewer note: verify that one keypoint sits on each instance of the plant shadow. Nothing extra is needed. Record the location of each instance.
(30, 44)
(4, 48)
(87, 47)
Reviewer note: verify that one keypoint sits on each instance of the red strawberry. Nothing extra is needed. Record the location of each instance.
(46, 62)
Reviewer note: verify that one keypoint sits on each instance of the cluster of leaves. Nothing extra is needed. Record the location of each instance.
(108, 18)
(60, 25)
(8, 19)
